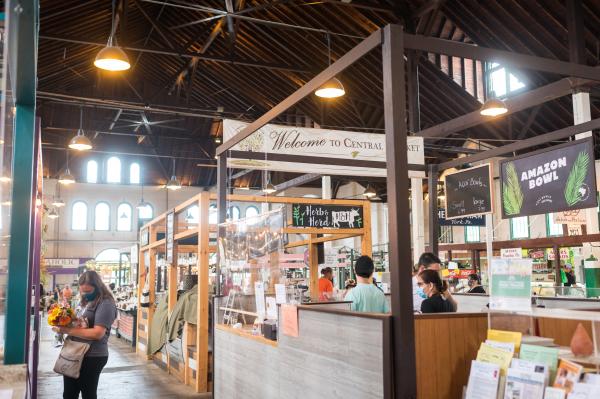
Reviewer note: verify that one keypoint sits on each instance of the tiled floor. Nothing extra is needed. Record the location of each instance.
(125, 376)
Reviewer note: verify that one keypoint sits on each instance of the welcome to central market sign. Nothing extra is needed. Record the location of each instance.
(293, 140)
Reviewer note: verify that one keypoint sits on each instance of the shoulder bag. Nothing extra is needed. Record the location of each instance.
(70, 358)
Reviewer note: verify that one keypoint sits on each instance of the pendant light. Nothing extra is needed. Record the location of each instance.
(80, 142)
(52, 214)
(66, 178)
(333, 88)
(143, 204)
(58, 203)
(5, 179)
(493, 106)
(370, 192)
(112, 57)
(173, 184)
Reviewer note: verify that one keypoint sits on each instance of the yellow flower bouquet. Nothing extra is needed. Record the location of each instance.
(60, 315)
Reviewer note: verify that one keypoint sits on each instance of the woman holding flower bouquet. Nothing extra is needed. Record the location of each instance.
(92, 326)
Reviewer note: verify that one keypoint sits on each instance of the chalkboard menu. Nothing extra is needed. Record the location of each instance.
(477, 220)
(560, 178)
(327, 216)
(469, 192)
(170, 234)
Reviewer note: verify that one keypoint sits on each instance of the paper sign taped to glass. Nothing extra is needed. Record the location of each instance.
(510, 282)
(340, 144)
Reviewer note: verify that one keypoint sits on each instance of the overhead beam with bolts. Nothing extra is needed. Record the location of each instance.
(184, 54)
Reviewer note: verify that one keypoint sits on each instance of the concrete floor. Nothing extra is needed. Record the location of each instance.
(125, 375)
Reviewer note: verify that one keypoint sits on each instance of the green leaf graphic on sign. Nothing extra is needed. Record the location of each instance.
(354, 154)
(576, 179)
(512, 196)
(296, 215)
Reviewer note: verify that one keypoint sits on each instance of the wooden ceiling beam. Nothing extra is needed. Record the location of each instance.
(183, 54)
(297, 181)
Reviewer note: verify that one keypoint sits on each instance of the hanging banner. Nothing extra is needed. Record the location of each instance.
(170, 235)
(327, 216)
(576, 216)
(466, 221)
(561, 178)
(510, 284)
(469, 192)
(293, 140)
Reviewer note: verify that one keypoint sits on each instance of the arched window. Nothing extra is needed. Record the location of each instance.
(102, 217)
(124, 216)
(146, 212)
(213, 215)
(234, 213)
(134, 173)
(251, 211)
(108, 256)
(79, 216)
(113, 170)
(91, 173)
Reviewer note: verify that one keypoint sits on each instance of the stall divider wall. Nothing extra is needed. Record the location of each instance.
(196, 368)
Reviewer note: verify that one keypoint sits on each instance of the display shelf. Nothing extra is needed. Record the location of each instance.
(246, 332)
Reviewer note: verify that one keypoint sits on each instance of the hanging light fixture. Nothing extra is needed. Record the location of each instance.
(5, 179)
(112, 57)
(52, 214)
(269, 188)
(80, 142)
(370, 192)
(493, 106)
(173, 183)
(58, 203)
(143, 204)
(66, 178)
(333, 87)
(218, 140)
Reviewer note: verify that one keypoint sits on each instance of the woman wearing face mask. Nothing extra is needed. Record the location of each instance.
(98, 312)
(475, 286)
(431, 287)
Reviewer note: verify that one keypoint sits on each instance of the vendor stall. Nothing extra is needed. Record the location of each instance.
(178, 273)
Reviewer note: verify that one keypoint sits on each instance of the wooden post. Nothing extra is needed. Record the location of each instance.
(558, 277)
(366, 242)
(313, 267)
(203, 295)
(140, 288)
(152, 286)
(172, 279)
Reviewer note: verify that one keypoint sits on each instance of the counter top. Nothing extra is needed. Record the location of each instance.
(246, 332)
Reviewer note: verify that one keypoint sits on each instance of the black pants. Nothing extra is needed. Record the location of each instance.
(87, 383)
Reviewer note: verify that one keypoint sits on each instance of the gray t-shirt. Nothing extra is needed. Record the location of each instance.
(102, 314)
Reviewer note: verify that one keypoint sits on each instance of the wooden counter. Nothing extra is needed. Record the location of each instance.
(246, 332)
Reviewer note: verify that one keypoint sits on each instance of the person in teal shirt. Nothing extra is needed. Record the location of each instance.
(366, 297)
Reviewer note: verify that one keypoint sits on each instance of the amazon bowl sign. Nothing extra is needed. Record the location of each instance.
(293, 140)
(561, 178)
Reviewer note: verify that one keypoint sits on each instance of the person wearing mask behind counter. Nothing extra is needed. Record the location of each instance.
(366, 297)
(431, 286)
(475, 286)
(428, 261)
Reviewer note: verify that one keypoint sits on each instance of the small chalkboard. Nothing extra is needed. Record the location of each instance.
(327, 216)
(469, 192)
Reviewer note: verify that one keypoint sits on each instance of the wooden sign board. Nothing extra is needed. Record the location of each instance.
(469, 192)
(144, 237)
(327, 216)
(170, 235)
(561, 178)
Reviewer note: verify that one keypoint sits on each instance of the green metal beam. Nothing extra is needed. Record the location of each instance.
(19, 254)
(23, 26)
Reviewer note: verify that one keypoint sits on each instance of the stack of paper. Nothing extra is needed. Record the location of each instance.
(554, 393)
(541, 355)
(527, 365)
(483, 381)
(500, 357)
(505, 336)
(567, 375)
(584, 390)
(522, 384)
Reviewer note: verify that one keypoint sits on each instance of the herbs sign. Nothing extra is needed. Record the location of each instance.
(561, 178)
(327, 216)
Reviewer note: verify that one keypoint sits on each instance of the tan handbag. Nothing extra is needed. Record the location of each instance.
(70, 358)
